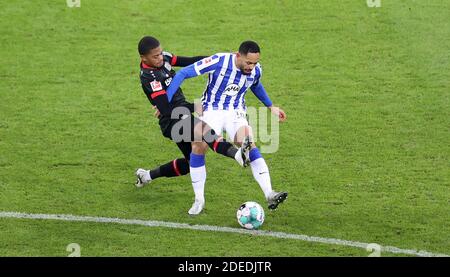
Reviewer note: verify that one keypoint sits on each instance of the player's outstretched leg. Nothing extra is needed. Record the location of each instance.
(262, 176)
(259, 169)
(174, 168)
(198, 176)
(219, 145)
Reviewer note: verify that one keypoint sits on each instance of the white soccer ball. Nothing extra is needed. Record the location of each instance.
(250, 215)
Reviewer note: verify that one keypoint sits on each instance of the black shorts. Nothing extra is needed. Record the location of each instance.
(183, 134)
(184, 145)
(186, 149)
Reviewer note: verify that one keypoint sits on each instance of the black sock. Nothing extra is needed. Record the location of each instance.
(219, 145)
(174, 168)
(225, 148)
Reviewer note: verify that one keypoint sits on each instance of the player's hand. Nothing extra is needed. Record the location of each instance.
(157, 113)
(278, 112)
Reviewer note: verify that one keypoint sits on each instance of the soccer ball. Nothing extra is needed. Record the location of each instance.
(250, 215)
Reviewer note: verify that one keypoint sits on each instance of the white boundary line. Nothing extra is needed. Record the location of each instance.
(151, 223)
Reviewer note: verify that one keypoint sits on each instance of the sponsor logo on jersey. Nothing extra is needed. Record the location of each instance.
(156, 85)
(168, 81)
(231, 90)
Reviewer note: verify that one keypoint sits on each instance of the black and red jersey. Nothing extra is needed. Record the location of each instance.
(155, 82)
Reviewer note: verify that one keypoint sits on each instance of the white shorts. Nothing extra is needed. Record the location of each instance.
(225, 120)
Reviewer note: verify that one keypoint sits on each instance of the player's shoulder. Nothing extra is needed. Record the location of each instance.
(223, 55)
(151, 80)
(208, 61)
(146, 73)
(149, 75)
(258, 70)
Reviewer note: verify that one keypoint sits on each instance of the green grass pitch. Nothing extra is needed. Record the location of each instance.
(364, 154)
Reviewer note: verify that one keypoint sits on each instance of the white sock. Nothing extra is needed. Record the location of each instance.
(261, 174)
(198, 177)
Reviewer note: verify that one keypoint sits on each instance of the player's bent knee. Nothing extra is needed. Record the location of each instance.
(209, 136)
(198, 132)
(199, 148)
(204, 147)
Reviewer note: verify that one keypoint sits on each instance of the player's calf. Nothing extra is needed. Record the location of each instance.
(173, 168)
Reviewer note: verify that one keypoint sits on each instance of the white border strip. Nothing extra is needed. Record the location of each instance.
(151, 223)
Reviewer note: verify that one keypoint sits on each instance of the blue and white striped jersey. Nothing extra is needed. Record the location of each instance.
(226, 85)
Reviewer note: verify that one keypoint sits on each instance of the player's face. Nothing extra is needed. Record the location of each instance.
(154, 58)
(246, 63)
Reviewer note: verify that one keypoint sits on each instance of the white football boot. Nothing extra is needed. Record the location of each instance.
(143, 177)
(197, 207)
(243, 154)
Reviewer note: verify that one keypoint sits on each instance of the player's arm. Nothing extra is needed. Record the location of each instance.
(182, 61)
(185, 73)
(203, 66)
(258, 89)
(260, 92)
(185, 61)
(156, 94)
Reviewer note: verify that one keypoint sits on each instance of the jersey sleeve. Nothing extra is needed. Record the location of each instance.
(203, 66)
(258, 89)
(206, 65)
(258, 75)
(181, 61)
(157, 95)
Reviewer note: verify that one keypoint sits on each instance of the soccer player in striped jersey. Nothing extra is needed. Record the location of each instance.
(229, 77)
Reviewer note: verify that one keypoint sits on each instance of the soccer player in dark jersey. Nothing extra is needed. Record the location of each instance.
(156, 74)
